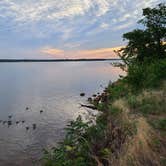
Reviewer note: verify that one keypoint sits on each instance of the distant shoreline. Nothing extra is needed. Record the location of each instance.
(56, 60)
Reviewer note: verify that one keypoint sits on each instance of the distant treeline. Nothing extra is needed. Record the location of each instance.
(54, 60)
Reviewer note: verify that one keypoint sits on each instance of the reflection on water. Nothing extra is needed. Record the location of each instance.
(51, 87)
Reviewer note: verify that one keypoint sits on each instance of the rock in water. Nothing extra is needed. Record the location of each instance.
(82, 94)
(34, 126)
(17, 122)
(94, 95)
(90, 99)
(9, 122)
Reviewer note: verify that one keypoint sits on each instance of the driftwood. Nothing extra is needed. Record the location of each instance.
(89, 106)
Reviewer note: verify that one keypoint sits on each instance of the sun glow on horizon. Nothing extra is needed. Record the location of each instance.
(79, 54)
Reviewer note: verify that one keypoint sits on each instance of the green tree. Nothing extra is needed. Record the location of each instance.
(147, 43)
(155, 21)
(139, 45)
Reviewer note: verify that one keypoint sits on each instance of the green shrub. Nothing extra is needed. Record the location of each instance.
(147, 74)
(79, 144)
(74, 150)
(132, 101)
(159, 124)
(152, 105)
(101, 106)
(114, 111)
(135, 76)
(118, 90)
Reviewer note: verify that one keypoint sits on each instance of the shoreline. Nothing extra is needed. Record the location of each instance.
(110, 140)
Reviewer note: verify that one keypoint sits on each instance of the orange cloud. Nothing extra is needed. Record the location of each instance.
(96, 53)
(52, 51)
(100, 53)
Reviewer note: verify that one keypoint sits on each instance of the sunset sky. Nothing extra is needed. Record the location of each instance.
(66, 28)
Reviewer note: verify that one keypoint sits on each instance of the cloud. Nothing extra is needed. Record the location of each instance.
(79, 23)
(32, 11)
(52, 51)
(94, 53)
(123, 26)
(104, 26)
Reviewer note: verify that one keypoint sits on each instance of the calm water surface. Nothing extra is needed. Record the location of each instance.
(51, 87)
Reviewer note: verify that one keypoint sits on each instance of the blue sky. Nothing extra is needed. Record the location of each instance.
(66, 28)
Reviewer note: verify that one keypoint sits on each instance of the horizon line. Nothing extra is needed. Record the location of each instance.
(58, 60)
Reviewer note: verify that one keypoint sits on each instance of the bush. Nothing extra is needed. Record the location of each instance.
(114, 111)
(80, 144)
(101, 106)
(147, 105)
(133, 102)
(147, 74)
(73, 150)
(118, 89)
(159, 124)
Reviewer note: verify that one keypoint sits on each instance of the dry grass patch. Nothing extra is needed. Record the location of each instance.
(140, 148)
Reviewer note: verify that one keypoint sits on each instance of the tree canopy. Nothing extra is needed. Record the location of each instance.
(148, 42)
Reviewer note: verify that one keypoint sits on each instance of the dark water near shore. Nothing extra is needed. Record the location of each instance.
(51, 87)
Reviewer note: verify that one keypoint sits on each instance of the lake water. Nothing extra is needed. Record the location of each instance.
(52, 87)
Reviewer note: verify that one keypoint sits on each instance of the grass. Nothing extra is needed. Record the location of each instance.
(159, 124)
(146, 103)
(118, 90)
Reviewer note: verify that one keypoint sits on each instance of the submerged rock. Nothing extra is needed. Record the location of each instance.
(94, 95)
(17, 122)
(82, 94)
(41, 111)
(10, 116)
(101, 85)
(106, 90)
(34, 126)
(9, 122)
(90, 99)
